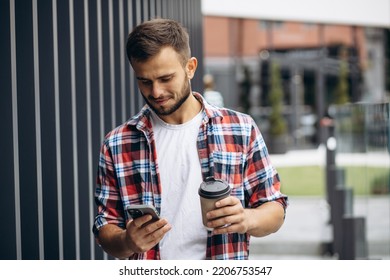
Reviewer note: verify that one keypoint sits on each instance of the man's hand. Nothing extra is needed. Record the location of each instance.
(142, 236)
(230, 216)
(138, 237)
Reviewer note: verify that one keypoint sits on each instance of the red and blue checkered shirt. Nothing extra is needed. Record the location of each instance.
(230, 147)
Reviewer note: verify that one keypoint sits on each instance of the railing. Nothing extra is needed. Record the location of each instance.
(360, 135)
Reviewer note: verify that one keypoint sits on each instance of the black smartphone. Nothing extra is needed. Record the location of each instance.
(136, 211)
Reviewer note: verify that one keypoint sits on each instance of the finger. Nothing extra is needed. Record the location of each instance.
(139, 222)
(134, 241)
(137, 230)
(227, 201)
(233, 228)
(225, 220)
(226, 216)
(154, 226)
(157, 235)
(143, 238)
(227, 210)
(154, 237)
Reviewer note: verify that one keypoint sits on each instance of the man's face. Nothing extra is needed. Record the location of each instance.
(163, 82)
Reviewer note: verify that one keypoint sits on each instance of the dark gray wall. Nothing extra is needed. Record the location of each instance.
(64, 83)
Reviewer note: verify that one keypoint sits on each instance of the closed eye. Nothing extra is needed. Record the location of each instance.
(145, 82)
(162, 79)
(166, 79)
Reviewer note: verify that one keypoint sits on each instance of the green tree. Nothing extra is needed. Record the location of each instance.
(341, 95)
(245, 88)
(277, 123)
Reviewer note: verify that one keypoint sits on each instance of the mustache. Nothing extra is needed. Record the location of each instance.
(158, 98)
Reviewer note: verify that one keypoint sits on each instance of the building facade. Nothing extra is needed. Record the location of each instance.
(310, 56)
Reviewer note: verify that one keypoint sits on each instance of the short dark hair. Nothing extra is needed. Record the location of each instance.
(147, 39)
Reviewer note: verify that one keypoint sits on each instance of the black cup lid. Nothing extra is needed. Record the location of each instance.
(213, 188)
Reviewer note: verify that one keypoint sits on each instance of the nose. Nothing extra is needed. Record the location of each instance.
(156, 90)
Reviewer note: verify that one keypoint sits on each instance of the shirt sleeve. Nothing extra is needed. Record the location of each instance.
(107, 196)
(262, 182)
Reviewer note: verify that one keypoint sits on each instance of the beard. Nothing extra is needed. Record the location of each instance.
(165, 111)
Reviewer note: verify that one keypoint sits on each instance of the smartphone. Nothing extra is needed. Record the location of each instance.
(136, 211)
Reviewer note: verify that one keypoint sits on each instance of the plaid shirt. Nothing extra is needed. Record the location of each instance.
(230, 147)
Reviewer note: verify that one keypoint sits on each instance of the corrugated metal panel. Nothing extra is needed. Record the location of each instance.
(65, 82)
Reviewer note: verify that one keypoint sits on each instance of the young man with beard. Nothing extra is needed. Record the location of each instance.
(161, 156)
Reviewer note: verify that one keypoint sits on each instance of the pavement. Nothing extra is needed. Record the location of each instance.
(307, 229)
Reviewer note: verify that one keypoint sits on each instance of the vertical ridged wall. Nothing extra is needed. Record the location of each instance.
(64, 83)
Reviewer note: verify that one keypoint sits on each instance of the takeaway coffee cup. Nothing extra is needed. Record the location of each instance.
(210, 191)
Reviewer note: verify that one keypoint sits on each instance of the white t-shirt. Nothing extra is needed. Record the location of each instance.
(180, 174)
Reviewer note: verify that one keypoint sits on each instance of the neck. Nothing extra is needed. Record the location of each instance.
(187, 111)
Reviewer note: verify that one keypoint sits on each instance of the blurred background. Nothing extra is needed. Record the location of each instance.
(315, 76)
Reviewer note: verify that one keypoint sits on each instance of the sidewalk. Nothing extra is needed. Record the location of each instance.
(306, 228)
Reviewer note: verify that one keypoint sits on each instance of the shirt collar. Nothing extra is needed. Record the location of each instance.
(142, 119)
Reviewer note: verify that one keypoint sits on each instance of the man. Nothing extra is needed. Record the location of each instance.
(162, 155)
(210, 94)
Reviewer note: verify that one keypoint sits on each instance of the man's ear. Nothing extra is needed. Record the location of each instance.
(191, 67)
